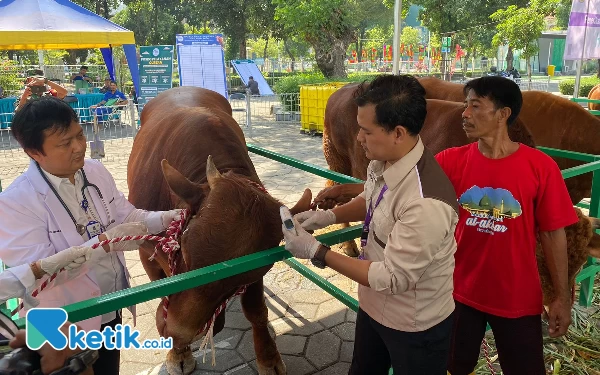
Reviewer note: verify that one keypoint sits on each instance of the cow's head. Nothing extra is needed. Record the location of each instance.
(232, 216)
(582, 242)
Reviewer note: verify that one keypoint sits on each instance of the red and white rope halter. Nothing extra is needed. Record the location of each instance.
(168, 244)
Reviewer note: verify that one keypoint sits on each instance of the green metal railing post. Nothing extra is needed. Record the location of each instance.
(586, 292)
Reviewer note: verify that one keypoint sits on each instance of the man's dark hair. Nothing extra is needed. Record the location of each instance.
(398, 99)
(503, 92)
(83, 67)
(113, 81)
(38, 115)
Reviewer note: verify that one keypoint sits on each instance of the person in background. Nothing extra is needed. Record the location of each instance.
(82, 75)
(111, 98)
(106, 88)
(38, 86)
(253, 86)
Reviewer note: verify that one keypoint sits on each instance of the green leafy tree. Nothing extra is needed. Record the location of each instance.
(409, 36)
(326, 25)
(467, 21)
(520, 28)
(329, 26)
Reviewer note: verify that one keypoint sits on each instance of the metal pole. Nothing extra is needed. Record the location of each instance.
(397, 33)
(41, 61)
(248, 110)
(580, 62)
(429, 52)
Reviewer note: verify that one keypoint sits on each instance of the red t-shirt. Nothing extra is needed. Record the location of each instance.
(503, 204)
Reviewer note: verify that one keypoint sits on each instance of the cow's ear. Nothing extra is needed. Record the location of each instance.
(189, 192)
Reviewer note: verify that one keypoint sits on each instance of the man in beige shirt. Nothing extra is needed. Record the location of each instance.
(407, 260)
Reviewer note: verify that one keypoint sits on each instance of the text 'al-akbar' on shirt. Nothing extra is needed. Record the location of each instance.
(410, 242)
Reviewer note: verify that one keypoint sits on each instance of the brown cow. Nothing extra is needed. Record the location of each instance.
(594, 94)
(230, 215)
(442, 129)
(553, 122)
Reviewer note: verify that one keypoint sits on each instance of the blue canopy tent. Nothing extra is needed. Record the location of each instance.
(61, 24)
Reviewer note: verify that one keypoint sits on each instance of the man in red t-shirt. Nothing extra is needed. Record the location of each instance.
(509, 195)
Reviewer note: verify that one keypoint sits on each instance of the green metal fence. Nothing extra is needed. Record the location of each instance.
(586, 100)
(121, 299)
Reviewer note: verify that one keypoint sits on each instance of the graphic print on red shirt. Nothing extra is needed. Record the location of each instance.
(504, 203)
(489, 208)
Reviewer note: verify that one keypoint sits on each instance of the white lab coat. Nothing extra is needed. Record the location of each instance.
(35, 225)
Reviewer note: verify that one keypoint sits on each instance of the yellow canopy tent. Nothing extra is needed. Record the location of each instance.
(61, 24)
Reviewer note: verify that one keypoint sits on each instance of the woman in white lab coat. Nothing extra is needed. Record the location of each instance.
(64, 200)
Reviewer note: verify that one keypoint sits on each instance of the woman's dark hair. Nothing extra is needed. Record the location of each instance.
(398, 100)
(38, 115)
(503, 92)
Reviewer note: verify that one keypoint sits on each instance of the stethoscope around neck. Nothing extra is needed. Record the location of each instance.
(81, 229)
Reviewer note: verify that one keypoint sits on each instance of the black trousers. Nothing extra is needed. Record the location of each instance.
(108, 361)
(377, 347)
(518, 341)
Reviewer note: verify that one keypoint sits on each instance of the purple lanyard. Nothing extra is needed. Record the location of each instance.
(365, 231)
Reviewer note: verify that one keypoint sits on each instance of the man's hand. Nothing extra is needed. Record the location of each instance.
(51, 359)
(169, 216)
(335, 195)
(94, 106)
(126, 229)
(70, 258)
(303, 245)
(559, 316)
(312, 220)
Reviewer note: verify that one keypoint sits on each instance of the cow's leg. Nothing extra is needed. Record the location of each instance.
(268, 359)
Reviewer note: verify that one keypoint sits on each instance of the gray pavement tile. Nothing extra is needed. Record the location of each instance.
(346, 351)
(340, 368)
(303, 310)
(331, 313)
(236, 320)
(345, 331)
(323, 349)
(290, 344)
(297, 365)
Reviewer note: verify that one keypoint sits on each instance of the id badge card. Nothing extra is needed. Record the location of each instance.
(93, 229)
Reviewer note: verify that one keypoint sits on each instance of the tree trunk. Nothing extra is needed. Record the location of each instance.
(71, 58)
(598, 74)
(105, 6)
(529, 73)
(242, 36)
(509, 59)
(265, 50)
(466, 57)
(98, 7)
(287, 50)
(330, 56)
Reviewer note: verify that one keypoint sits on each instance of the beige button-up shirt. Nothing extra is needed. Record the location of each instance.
(410, 242)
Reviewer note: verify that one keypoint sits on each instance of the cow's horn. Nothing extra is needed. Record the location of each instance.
(212, 173)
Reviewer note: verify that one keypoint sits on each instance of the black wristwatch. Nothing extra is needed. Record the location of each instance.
(319, 259)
